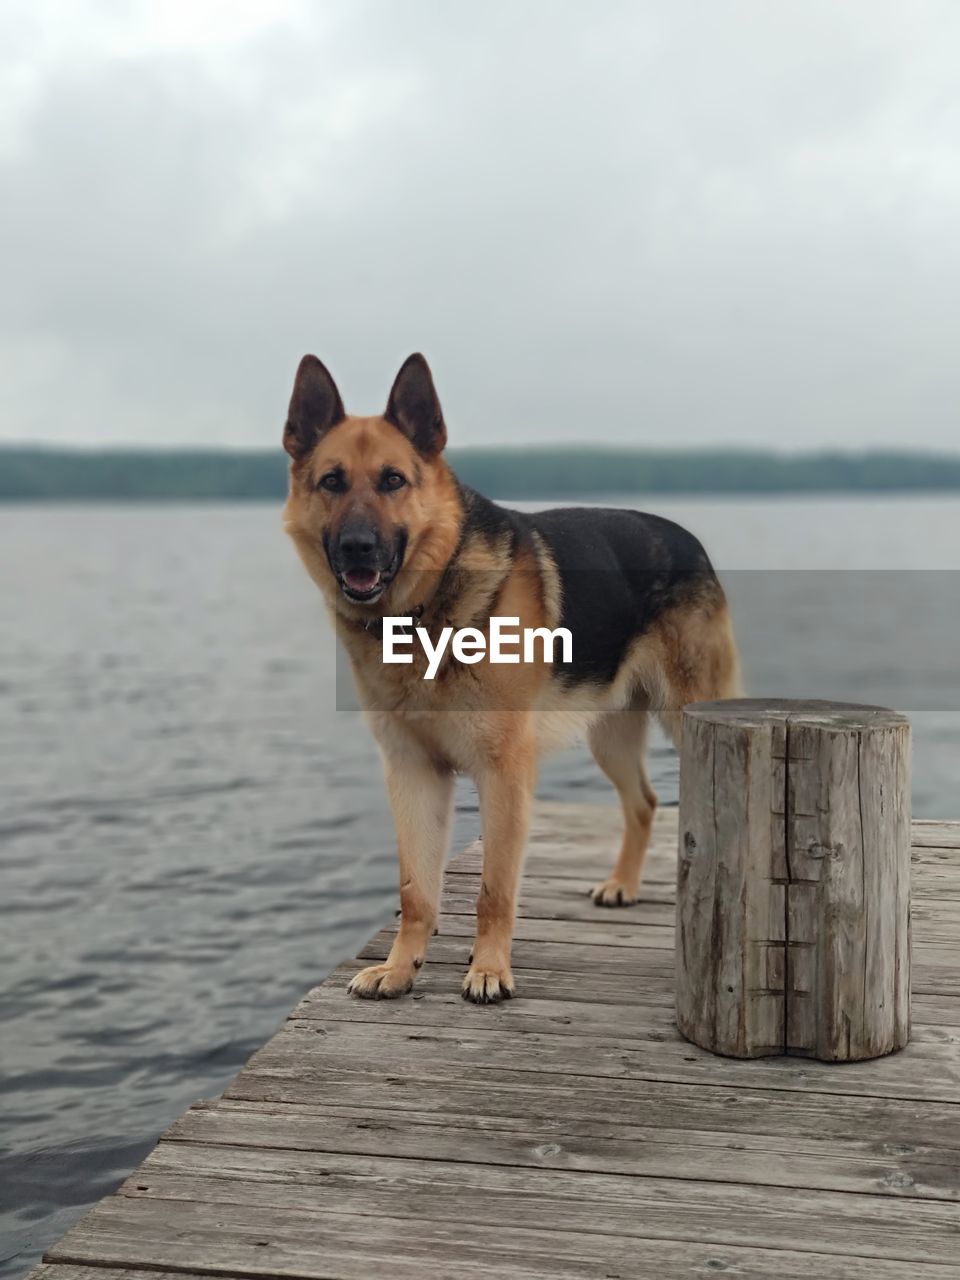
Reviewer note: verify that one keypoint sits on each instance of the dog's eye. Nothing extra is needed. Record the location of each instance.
(333, 482)
(391, 480)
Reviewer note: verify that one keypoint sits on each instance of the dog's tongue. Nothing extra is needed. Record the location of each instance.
(361, 579)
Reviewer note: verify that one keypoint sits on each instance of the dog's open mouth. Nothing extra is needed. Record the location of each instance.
(362, 585)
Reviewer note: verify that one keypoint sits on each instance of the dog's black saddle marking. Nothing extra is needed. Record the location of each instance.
(619, 570)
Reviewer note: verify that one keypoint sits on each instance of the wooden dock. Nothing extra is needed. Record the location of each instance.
(568, 1133)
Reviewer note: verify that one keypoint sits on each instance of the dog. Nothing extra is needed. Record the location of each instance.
(385, 529)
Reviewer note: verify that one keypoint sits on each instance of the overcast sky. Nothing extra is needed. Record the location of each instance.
(714, 222)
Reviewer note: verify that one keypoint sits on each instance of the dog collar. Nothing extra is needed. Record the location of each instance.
(374, 626)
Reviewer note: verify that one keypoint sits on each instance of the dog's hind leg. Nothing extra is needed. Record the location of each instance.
(618, 743)
(700, 664)
(422, 801)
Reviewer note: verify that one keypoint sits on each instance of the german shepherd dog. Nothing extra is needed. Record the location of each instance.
(384, 528)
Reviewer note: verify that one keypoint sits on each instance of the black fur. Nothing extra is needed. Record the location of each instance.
(619, 570)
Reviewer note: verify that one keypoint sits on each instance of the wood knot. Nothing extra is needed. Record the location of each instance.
(898, 1180)
(689, 843)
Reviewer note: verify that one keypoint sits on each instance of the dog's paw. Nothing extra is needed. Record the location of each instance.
(613, 893)
(487, 986)
(381, 982)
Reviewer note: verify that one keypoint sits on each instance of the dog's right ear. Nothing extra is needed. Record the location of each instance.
(315, 407)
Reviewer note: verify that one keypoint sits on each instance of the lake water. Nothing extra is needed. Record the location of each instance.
(192, 835)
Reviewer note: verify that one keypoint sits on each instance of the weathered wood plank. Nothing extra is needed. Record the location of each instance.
(255, 1180)
(940, 977)
(922, 1071)
(934, 882)
(567, 890)
(537, 902)
(600, 933)
(547, 1102)
(935, 873)
(632, 1014)
(438, 976)
(652, 1150)
(936, 968)
(560, 957)
(578, 864)
(922, 1127)
(438, 987)
(347, 1247)
(925, 832)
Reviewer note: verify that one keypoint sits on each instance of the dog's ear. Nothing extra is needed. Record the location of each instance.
(414, 408)
(315, 407)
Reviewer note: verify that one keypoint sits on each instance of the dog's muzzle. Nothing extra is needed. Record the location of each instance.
(363, 563)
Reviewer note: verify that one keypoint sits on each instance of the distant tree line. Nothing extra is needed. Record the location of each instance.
(32, 473)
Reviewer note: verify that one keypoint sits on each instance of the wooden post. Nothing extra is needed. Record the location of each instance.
(793, 891)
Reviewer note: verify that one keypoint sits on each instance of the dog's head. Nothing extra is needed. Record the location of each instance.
(372, 503)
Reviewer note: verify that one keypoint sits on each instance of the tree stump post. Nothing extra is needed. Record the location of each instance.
(793, 889)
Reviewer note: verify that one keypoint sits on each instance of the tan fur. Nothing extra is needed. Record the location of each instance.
(487, 720)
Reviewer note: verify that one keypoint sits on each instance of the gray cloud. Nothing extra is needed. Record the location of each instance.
(675, 223)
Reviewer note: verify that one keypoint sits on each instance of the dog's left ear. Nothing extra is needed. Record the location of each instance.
(414, 408)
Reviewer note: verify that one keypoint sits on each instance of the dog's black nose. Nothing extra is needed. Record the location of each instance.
(358, 543)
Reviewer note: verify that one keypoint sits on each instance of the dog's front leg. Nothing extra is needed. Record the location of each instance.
(506, 796)
(422, 803)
